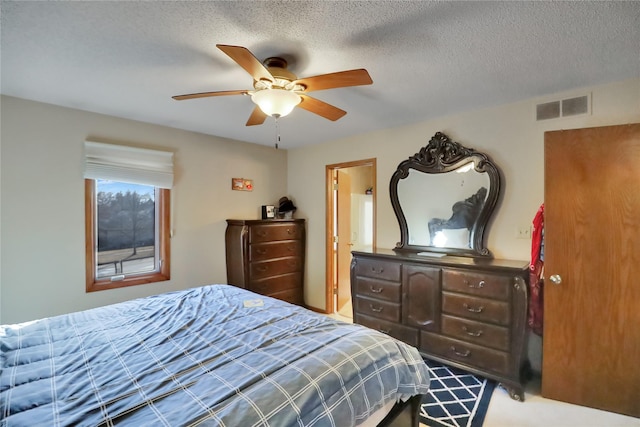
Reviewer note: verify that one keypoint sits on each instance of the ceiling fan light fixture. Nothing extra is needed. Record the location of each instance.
(278, 91)
(276, 102)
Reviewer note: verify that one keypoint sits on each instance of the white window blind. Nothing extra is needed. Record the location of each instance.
(128, 164)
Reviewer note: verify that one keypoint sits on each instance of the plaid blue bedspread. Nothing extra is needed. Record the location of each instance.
(200, 357)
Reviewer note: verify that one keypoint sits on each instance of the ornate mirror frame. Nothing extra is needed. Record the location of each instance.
(442, 155)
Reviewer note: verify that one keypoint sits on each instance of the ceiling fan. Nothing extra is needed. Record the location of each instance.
(277, 91)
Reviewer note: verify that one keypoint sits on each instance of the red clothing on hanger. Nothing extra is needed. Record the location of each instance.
(536, 268)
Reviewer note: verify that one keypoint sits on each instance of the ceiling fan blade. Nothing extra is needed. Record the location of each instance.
(246, 60)
(208, 94)
(257, 117)
(320, 108)
(335, 80)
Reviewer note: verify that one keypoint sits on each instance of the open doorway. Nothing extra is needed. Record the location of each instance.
(350, 219)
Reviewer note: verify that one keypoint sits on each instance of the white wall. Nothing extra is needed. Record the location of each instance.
(508, 134)
(42, 188)
(0, 216)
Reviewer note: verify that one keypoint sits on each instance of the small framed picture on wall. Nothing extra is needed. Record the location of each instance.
(241, 184)
(268, 212)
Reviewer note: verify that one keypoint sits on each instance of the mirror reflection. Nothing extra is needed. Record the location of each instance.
(460, 194)
(443, 197)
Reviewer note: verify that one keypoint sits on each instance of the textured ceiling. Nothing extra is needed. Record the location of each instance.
(426, 59)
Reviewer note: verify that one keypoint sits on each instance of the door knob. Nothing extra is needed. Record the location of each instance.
(555, 279)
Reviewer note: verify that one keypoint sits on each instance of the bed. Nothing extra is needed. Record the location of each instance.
(213, 356)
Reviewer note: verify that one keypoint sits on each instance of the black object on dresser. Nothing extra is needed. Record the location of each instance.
(267, 257)
(464, 312)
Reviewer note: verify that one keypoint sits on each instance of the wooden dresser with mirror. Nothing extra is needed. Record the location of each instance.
(440, 289)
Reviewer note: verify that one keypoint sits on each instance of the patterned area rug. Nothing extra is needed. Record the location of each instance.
(456, 398)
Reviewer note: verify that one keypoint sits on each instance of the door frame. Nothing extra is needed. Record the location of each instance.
(330, 223)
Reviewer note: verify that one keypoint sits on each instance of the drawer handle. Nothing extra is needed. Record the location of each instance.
(467, 353)
(385, 331)
(377, 270)
(473, 310)
(290, 231)
(375, 309)
(262, 233)
(374, 290)
(470, 333)
(480, 284)
(261, 251)
(262, 268)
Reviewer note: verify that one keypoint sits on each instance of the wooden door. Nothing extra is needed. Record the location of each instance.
(591, 339)
(344, 239)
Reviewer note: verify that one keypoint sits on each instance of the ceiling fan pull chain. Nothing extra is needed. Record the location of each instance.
(277, 132)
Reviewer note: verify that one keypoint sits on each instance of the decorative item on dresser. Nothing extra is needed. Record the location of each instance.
(267, 257)
(439, 289)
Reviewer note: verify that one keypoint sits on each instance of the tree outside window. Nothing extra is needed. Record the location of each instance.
(127, 234)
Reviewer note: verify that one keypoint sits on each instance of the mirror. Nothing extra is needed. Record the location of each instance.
(443, 197)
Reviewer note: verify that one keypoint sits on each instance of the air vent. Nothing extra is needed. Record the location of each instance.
(548, 110)
(575, 106)
(569, 107)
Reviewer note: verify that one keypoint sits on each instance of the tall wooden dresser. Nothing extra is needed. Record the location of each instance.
(267, 257)
(463, 312)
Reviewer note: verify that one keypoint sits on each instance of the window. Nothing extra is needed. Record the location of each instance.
(127, 217)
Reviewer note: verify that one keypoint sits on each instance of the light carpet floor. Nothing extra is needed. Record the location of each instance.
(536, 411)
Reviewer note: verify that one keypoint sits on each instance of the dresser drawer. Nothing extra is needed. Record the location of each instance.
(294, 296)
(277, 283)
(460, 351)
(378, 269)
(378, 308)
(479, 333)
(481, 284)
(263, 269)
(479, 309)
(379, 289)
(403, 333)
(271, 232)
(263, 251)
